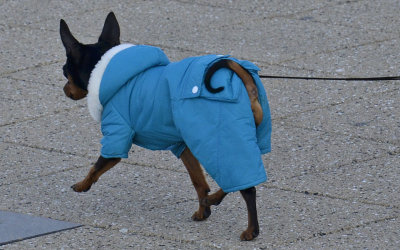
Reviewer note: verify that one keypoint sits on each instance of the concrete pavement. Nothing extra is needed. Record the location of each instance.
(334, 169)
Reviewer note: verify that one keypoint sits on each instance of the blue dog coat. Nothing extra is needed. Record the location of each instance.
(140, 97)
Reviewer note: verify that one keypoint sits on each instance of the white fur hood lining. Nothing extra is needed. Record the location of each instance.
(94, 105)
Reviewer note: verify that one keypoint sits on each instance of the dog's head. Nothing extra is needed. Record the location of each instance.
(82, 58)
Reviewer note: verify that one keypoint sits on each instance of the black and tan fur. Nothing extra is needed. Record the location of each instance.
(82, 58)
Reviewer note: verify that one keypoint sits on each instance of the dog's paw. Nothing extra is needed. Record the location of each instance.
(199, 216)
(79, 187)
(249, 235)
(207, 212)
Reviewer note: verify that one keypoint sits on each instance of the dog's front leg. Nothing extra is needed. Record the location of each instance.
(199, 182)
(100, 167)
(253, 228)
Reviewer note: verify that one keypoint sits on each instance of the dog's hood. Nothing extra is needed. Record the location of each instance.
(115, 68)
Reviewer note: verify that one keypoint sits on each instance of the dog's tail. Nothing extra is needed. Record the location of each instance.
(247, 80)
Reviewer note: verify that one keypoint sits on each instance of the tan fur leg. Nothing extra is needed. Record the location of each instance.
(199, 182)
(102, 165)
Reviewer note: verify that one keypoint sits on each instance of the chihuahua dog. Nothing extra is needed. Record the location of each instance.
(141, 98)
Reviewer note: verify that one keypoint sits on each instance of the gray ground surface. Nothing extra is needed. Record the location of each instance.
(334, 169)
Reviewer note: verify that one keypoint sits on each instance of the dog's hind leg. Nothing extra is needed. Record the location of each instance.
(214, 199)
(100, 167)
(199, 182)
(253, 228)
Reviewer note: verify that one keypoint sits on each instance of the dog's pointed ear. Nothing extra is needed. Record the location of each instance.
(111, 32)
(72, 46)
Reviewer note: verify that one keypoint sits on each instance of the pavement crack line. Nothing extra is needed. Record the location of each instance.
(46, 149)
(393, 143)
(333, 197)
(24, 180)
(37, 117)
(152, 234)
(60, 82)
(41, 64)
(354, 161)
(344, 47)
(252, 11)
(137, 164)
(340, 230)
(348, 101)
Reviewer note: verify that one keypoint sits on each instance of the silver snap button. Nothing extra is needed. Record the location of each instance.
(195, 89)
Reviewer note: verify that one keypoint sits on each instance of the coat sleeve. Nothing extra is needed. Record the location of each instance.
(117, 135)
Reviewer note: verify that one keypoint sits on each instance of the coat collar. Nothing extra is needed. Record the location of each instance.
(94, 105)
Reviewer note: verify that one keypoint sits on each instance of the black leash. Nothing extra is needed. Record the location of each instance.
(383, 78)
